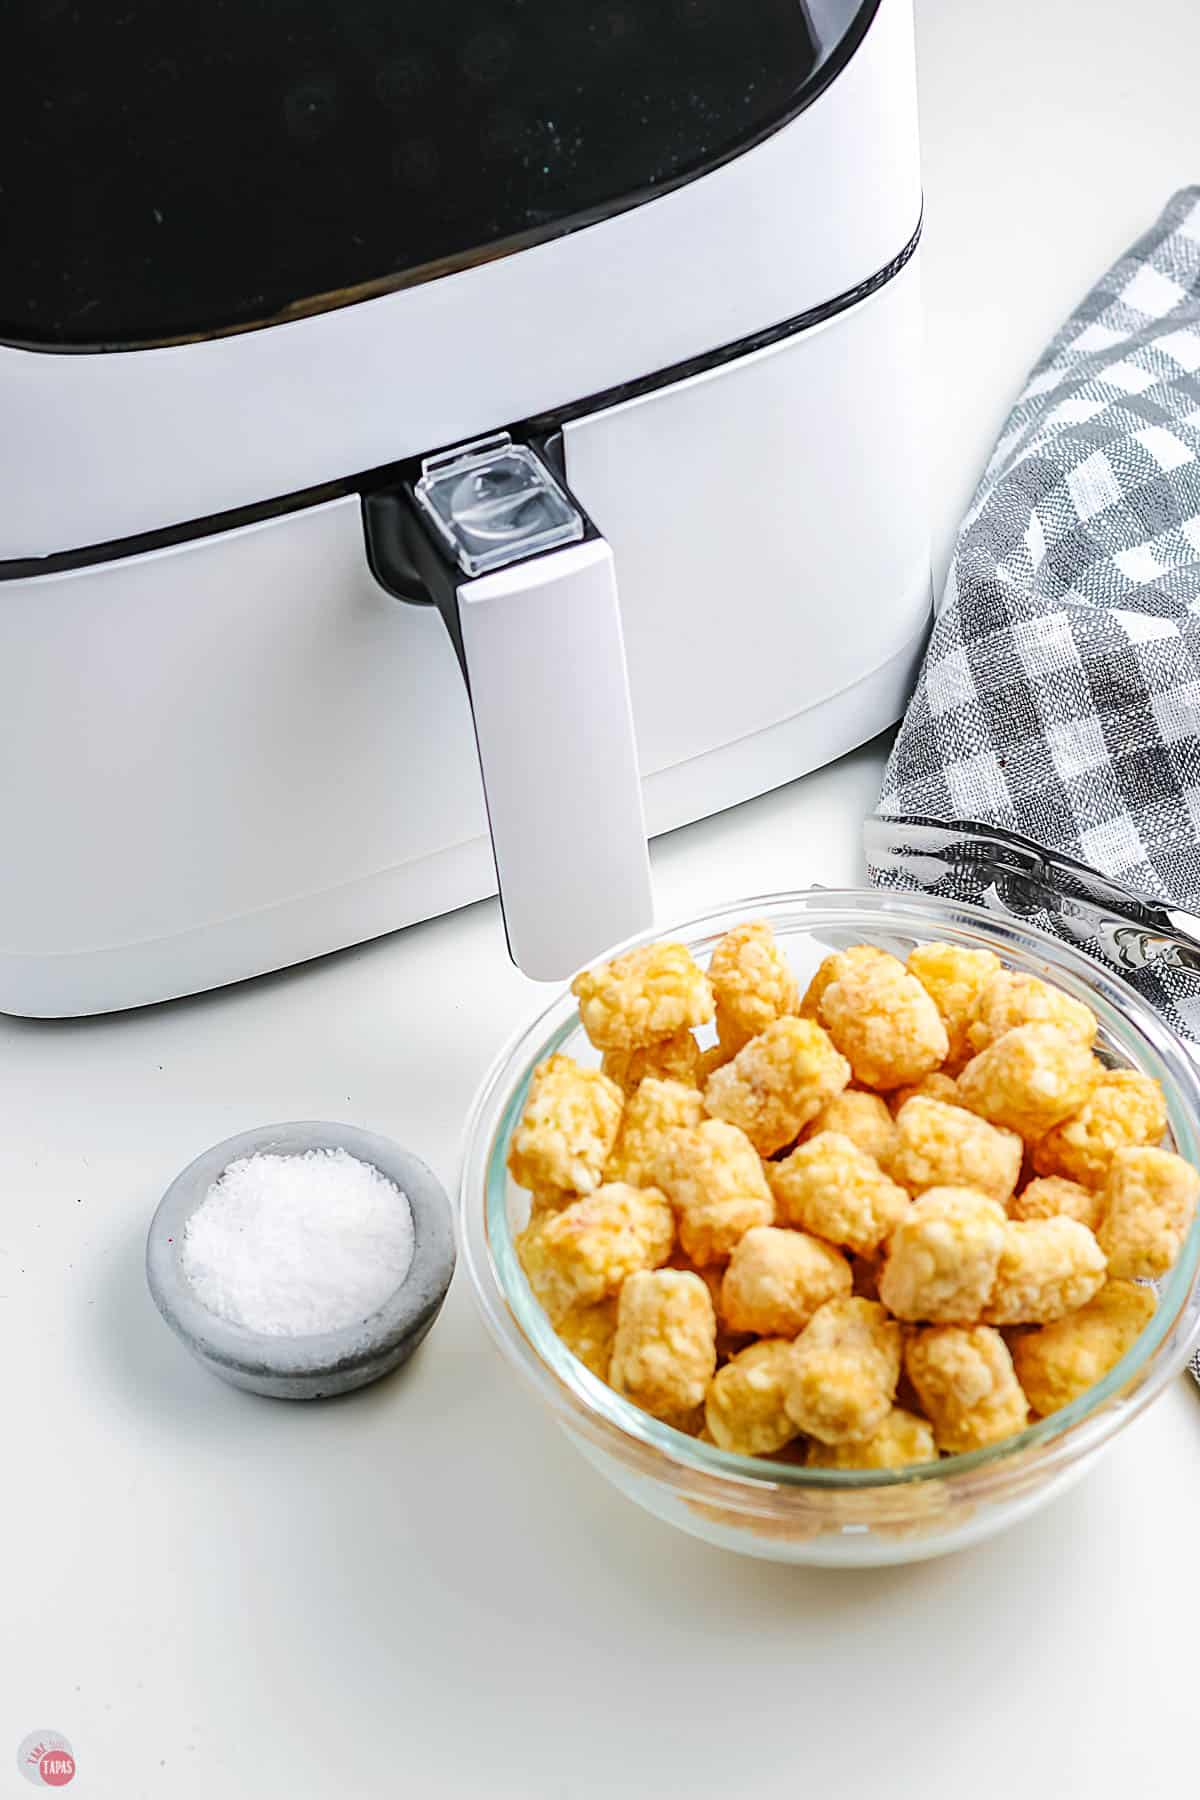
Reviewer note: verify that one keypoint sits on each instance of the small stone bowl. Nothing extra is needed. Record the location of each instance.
(320, 1364)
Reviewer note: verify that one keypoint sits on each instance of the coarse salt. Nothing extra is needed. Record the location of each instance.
(289, 1245)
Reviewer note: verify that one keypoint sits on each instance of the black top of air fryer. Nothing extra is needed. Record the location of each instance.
(178, 168)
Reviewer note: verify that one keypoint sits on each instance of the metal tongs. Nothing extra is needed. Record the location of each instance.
(1010, 874)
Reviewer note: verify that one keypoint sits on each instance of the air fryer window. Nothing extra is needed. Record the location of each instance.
(178, 168)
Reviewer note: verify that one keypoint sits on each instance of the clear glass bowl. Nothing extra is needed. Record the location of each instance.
(780, 1509)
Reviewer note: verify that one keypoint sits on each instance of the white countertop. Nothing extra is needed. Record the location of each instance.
(423, 1589)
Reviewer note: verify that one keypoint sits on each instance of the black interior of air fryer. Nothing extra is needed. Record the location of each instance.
(174, 168)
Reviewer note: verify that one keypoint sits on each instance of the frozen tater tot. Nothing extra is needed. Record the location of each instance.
(884, 1023)
(568, 1128)
(664, 1352)
(656, 1108)
(752, 982)
(744, 1410)
(714, 1178)
(942, 1259)
(676, 1058)
(1148, 1205)
(1050, 1197)
(863, 1118)
(642, 997)
(830, 1187)
(853, 1208)
(844, 1371)
(832, 968)
(946, 1146)
(1124, 1110)
(777, 1082)
(1011, 998)
(588, 1333)
(777, 1279)
(1059, 1362)
(902, 1441)
(1030, 1079)
(584, 1253)
(935, 1086)
(965, 1382)
(953, 977)
(1047, 1268)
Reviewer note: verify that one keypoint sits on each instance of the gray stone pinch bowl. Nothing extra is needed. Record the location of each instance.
(323, 1363)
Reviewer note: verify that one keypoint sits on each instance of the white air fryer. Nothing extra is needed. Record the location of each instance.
(395, 395)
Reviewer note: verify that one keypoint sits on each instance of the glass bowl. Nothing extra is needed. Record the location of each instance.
(776, 1508)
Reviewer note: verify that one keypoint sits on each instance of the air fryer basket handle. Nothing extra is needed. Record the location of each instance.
(545, 666)
(543, 656)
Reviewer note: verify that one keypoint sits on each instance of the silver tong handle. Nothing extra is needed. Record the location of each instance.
(1012, 875)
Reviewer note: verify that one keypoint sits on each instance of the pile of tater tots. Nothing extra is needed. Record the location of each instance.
(894, 1216)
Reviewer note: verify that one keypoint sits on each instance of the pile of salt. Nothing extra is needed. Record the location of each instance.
(289, 1245)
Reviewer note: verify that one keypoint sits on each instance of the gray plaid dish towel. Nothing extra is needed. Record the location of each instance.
(1049, 764)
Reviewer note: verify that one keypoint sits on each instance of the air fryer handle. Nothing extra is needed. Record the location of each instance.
(542, 652)
(545, 666)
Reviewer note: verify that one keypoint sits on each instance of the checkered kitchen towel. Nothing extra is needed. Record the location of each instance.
(1060, 697)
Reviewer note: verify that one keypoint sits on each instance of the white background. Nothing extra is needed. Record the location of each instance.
(422, 1590)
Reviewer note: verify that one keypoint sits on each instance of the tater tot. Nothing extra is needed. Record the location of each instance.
(1059, 1362)
(935, 1086)
(664, 1352)
(916, 1189)
(1050, 1197)
(714, 1178)
(945, 1146)
(844, 1371)
(1125, 1109)
(580, 1255)
(942, 1259)
(965, 1382)
(568, 1127)
(657, 1107)
(1030, 1079)
(863, 1118)
(777, 1082)
(884, 1023)
(1148, 1204)
(953, 977)
(1047, 1268)
(1011, 998)
(588, 1333)
(777, 1279)
(676, 1058)
(642, 997)
(832, 967)
(752, 982)
(830, 1187)
(744, 1410)
(900, 1442)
